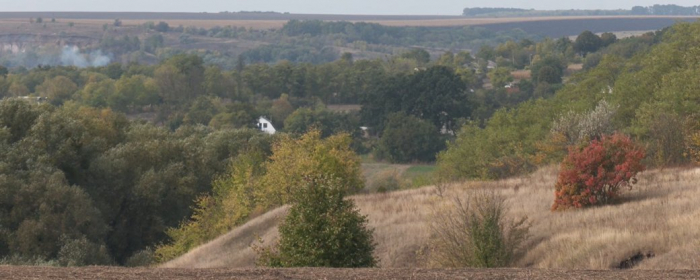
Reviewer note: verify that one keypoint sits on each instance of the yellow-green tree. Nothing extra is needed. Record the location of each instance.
(256, 183)
(295, 159)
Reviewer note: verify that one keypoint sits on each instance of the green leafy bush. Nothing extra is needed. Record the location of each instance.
(323, 229)
(82, 252)
(144, 257)
(386, 181)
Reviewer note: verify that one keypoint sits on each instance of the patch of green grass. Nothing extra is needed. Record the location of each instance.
(367, 158)
(408, 176)
(419, 175)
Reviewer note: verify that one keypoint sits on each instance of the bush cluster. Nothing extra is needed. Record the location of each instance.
(592, 174)
(476, 232)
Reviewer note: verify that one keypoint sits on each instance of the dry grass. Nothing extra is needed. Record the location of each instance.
(346, 108)
(234, 248)
(521, 74)
(660, 215)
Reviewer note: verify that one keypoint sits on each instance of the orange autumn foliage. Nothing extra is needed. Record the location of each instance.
(593, 174)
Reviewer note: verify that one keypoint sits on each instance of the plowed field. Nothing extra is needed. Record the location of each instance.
(27, 272)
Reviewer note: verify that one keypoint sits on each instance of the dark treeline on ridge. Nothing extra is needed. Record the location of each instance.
(656, 10)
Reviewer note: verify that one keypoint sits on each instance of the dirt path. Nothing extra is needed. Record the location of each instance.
(17, 272)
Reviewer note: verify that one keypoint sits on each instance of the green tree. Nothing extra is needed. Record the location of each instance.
(137, 90)
(281, 109)
(408, 139)
(549, 75)
(162, 27)
(100, 94)
(419, 55)
(235, 115)
(436, 94)
(201, 111)
(500, 77)
(607, 39)
(587, 42)
(328, 123)
(322, 229)
(293, 160)
(258, 181)
(552, 75)
(57, 89)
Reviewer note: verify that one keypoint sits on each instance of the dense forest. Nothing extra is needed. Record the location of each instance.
(127, 163)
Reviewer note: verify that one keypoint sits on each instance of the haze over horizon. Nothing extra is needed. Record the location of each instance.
(368, 7)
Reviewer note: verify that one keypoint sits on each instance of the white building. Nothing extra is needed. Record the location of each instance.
(266, 126)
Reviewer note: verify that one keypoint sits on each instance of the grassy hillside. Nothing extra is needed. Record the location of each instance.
(658, 218)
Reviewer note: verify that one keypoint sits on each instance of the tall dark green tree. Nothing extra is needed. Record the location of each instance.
(409, 139)
(437, 95)
(587, 42)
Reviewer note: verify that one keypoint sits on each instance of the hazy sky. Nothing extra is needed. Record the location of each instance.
(387, 7)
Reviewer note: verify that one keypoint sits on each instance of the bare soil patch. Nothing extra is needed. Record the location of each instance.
(28, 272)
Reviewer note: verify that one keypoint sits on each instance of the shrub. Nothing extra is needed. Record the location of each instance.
(144, 257)
(580, 127)
(322, 230)
(667, 137)
(386, 181)
(82, 252)
(694, 147)
(476, 233)
(593, 174)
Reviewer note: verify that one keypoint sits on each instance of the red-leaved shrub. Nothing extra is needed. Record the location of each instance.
(593, 174)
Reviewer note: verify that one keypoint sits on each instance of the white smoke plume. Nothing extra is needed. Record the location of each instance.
(71, 56)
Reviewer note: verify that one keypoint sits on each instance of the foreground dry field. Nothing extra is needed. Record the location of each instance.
(324, 273)
(655, 226)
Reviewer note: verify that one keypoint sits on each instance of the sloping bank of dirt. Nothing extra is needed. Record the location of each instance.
(27, 272)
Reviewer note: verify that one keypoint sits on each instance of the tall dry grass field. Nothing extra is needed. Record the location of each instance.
(660, 216)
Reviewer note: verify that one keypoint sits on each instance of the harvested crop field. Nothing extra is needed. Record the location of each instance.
(28, 272)
(554, 26)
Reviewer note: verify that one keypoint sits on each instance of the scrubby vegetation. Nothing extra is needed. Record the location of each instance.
(258, 182)
(123, 163)
(476, 232)
(640, 95)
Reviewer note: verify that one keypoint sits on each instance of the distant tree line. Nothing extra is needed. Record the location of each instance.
(657, 10)
(664, 10)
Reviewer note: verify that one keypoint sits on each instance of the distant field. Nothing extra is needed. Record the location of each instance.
(548, 26)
